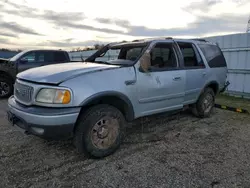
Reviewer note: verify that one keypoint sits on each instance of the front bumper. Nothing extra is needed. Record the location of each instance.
(53, 123)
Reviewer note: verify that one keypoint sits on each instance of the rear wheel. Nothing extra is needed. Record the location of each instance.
(205, 104)
(6, 87)
(99, 131)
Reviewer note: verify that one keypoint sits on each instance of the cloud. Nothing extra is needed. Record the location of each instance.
(203, 25)
(4, 41)
(7, 34)
(205, 6)
(49, 15)
(59, 17)
(115, 21)
(105, 37)
(202, 5)
(16, 28)
(18, 9)
(88, 27)
(70, 43)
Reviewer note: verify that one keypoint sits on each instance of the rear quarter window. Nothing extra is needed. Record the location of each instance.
(213, 55)
(60, 57)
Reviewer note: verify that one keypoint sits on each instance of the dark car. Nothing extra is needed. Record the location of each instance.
(9, 68)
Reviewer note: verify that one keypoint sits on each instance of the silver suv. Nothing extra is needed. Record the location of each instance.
(92, 100)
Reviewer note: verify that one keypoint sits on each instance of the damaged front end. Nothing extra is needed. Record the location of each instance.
(2, 60)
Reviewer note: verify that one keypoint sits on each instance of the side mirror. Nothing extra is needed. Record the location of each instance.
(145, 62)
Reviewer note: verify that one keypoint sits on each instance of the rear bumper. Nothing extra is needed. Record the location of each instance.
(225, 87)
(53, 123)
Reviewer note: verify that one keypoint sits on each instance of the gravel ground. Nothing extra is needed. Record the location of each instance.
(159, 151)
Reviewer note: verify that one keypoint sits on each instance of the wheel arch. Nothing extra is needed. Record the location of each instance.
(114, 98)
(213, 85)
(7, 75)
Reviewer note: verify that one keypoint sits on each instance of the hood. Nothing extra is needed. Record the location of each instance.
(54, 74)
(3, 60)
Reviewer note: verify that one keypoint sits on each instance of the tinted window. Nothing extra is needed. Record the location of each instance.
(49, 57)
(40, 56)
(59, 57)
(213, 55)
(191, 55)
(30, 57)
(163, 56)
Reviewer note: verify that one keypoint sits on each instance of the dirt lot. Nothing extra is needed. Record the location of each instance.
(159, 151)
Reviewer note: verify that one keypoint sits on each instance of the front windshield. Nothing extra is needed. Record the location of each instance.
(115, 54)
(17, 56)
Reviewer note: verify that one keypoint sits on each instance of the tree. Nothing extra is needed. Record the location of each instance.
(98, 46)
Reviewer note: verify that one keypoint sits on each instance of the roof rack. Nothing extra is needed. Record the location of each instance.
(152, 38)
(137, 40)
(203, 40)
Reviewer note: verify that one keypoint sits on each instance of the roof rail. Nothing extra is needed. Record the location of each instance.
(152, 38)
(137, 40)
(203, 40)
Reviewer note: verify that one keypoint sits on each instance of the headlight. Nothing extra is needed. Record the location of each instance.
(54, 96)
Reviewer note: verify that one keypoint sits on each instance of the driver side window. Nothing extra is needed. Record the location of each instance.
(163, 56)
(30, 57)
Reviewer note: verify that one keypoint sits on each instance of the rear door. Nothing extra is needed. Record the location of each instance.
(162, 88)
(196, 72)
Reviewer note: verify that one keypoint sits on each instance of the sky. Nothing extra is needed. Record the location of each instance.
(68, 24)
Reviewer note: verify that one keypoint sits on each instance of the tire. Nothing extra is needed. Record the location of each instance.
(204, 106)
(94, 131)
(6, 87)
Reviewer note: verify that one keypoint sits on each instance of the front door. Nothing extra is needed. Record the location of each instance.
(162, 88)
(32, 59)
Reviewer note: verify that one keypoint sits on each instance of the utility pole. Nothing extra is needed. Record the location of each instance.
(248, 25)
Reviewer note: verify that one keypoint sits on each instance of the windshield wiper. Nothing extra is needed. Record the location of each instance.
(103, 62)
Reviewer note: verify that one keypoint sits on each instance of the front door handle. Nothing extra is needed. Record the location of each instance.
(177, 78)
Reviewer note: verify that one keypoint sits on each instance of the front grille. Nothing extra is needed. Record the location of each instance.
(23, 92)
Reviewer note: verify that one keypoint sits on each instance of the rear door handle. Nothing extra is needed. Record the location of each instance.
(177, 78)
(204, 73)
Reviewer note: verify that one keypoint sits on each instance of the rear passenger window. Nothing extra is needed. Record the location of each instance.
(192, 58)
(48, 57)
(59, 57)
(213, 55)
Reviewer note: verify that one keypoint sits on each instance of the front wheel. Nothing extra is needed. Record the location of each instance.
(205, 104)
(99, 131)
(6, 87)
